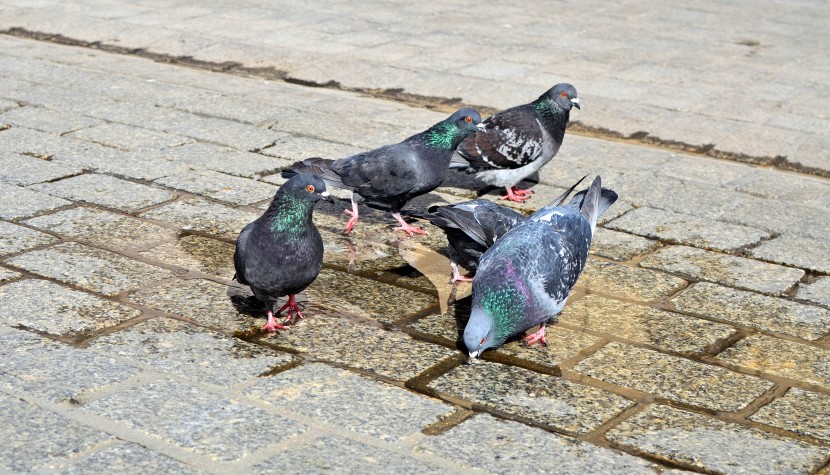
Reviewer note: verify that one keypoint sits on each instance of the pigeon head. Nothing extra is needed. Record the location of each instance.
(304, 187)
(564, 95)
(448, 134)
(479, 334)
(496, 306)
(290, 211)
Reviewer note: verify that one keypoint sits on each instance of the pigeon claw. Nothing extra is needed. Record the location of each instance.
(292, 307)
(411, 230)
(457, 277)
(537, 337)
(272, 324)
(517, 195)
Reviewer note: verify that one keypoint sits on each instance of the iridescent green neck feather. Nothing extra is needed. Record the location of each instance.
(289, 214)
(504, 305)
(443, 136)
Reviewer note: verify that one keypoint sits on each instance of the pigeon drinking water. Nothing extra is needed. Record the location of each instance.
(394, 174)
(281, 252)
(524, 279)
(518, 141)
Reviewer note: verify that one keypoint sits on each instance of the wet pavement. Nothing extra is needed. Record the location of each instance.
(698, 337)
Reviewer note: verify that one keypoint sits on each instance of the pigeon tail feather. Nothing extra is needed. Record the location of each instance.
(590, 204)
(320, 167)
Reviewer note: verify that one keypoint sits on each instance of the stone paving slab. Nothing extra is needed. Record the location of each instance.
(17, 202)
(673, 378)
(723, 269)
(706, 443)
(45, 120)
(7, 275)
(126, 137)
(628, 282)
(789, 250)
(541, 398)
(14, 238)
(799, 411)
(51, 308)
(197, 253)
(665, 330)
(220, 186)
(224, 159)
(201, 215)
(25, 170)
(754, 310)
(817, 291)
(90, 268)
(126, 458)
(106, 191)
(620, 246)
(783, 358)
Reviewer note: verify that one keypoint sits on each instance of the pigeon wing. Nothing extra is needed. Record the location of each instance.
(511, 139)
(240, 255)
(384, 172)
(563, 252)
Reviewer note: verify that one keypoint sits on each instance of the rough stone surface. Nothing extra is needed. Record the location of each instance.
(664, 330)
(201, 215)
(197, 253)
(7, 275)
(90, 268)
(620, 246)
(220, 186)
(782, 358)
(17, 202)
(125, 137)
(127, 458)
(672, 377)
(378, 410)
(542, 398)
(800, 411)
(628, 282)
(106, 191)
(57, 310)
(15, 238)
(817, 291)
(25, 170)
(722, 269)
(789, 249)
(754, 310)
(709, 444)
(489, 444)
(689, 230)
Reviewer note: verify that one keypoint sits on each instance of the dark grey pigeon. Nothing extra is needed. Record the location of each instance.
(518, 141)
(281, 253)
(525, 278)
(394, 174)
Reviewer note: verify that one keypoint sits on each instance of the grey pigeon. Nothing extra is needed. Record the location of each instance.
(525, 278)
(281, 252)
(471, 228)
(518, 141)
(394, 174)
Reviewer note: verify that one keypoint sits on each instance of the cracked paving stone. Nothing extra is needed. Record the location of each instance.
(201, 215)
(103, 228)
(33, 436)
(14, 238)
(18, 202)
(57, 372)
(667, 331)
(90, 268)
(563, 343)
(51, 308)
(493, 445)
(620, 246)
(816, 292)
(628, 282)
(541, 398)
(705, 443)
(219, 186)
(127, 137)
(25, 170)
(686, 229)
(317, 392)
(724, 269)
(106, 191)
(125, 458)
(197, 253)
(799, 411)
(394, 355)
(334, 454)
(672, 377)
(208, 424)
(794, 250)
(753, 310)
(786, 359)
(190, 352)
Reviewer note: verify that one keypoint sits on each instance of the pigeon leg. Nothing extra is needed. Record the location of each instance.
(353, 213)
(406, 227)
(272, 324)
(537, 337)
(456, 276)
(517, 195)
(292, 307)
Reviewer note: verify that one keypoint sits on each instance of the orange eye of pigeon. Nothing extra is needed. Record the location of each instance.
(482, 341)
(564, 94)
(468, 119)
(310, 188)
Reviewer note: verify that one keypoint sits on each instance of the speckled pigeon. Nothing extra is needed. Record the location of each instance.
(394, 174)
(524, 279)
(518, 141)
(281, 252)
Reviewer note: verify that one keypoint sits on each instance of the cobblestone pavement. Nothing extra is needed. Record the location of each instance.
(723, 77)
(698, 338)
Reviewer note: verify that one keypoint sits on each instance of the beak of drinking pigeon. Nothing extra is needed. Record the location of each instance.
(480, 126)
(575, 102)
(327, 196)
(474, 354)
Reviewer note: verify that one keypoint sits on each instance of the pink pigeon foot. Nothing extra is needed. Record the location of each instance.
(517, 195)
(292, 306)
(272, 324)
(456, 275)
(406, 227)
(353, 220)
(537, 337)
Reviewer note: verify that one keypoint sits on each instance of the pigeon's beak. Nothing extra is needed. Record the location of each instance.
(327, 196)
(480, 126)
(474, 354)
(575, 103)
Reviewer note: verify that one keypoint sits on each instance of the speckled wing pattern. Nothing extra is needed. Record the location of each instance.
(511, 139)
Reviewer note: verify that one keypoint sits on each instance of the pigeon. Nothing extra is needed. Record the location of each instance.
(518, 141)
(471, 227)
(281, 252)
(524, 279)
(394, 174)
